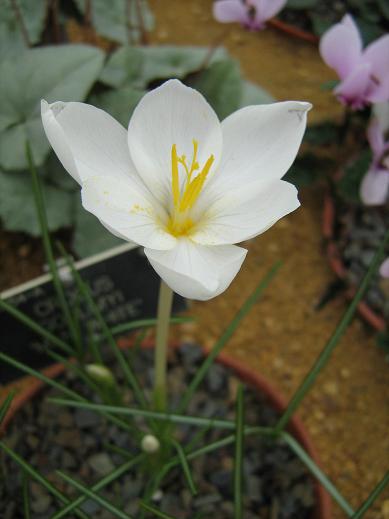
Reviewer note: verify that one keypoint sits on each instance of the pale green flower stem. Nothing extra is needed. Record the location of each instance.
(165, 301)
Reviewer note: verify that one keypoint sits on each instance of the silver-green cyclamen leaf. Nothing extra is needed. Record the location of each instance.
(63, 73)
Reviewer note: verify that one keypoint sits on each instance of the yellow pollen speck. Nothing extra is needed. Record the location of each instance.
(136, 208)
(186, 195)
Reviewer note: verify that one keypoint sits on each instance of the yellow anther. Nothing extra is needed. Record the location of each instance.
(195, 164)
(193, 188)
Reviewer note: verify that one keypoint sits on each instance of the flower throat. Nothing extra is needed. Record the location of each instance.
(185, 196)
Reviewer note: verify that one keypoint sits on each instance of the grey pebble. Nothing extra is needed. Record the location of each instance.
(42, 504)
(101, 463)
(86, 418)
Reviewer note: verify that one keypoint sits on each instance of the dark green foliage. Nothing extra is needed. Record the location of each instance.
(371, 15)
(307, 169)
(349, 184)
(322, 134)
(221, 85)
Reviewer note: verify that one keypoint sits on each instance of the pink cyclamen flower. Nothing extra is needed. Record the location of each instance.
(375, 184)
(384, 268)
(251, 13)
(363, 73)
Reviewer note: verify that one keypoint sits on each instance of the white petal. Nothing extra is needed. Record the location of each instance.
(125, 212)
(57, 138)
(246, 212)
(88, 139)
(259, 143)
(171, 114)
(196, 271)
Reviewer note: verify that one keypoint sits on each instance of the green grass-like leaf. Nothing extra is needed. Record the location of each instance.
(115, 474)
(185, 467)
(165, 417)
(28, 469)
(34, 326)
(155, 511)
(238, 458)
(57, 385)
(317, 472)
(372, 497)
(91, 494)
(42, 218)
(5, 405)
(333, 341)
(85, 291)
(146, 323)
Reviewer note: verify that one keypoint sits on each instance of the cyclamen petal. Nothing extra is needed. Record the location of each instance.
(171, 185)
(364, 74)
(384, 268)
(381, 113)
(227, 11)
(352, 90)
(341, 47)
(251, 13)
(375, 184)
(376, 140)
(375, 187)
(266, 9)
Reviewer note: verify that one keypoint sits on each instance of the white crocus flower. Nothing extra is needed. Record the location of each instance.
(180, 183)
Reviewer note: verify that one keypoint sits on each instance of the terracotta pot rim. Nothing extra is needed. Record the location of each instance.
(256, 380)
(294, 31)
(338, 266)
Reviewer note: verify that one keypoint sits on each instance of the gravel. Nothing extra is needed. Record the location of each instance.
(359, 233)
(275, 482)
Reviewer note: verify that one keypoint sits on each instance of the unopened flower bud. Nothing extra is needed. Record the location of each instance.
(150, 444)
(100, 374)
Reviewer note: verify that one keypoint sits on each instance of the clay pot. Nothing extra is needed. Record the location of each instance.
(293, 31)
(336, 262)
(255, 380)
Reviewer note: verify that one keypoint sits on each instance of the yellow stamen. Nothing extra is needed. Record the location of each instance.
(175, 178)
(195, 164)
(184, 198)
(193, 188)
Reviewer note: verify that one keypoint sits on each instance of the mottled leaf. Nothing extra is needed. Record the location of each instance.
(90, 237)
(129, 66)
(17, 208)
(253, 94)
(20, 20)
(221, 85)
(120, 20)
(63, 73)
(123, 68)
(119, 103)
